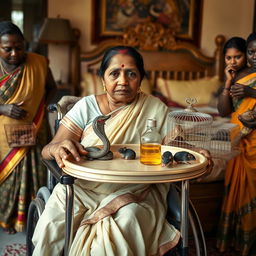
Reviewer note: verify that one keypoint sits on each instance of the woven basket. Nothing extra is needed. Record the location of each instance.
(20, 135)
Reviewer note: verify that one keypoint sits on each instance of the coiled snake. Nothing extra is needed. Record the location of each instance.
(103, 153)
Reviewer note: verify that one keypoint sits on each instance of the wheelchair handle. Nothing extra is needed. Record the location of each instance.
(55, 108)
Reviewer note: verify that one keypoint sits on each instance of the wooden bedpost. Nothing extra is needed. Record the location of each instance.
(75, 64)
(219, 58)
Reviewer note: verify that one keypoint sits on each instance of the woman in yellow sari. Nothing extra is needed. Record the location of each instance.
(25, 80)
(238, 219)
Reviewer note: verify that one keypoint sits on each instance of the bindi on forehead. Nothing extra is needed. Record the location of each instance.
(122, 51)
(122, 66)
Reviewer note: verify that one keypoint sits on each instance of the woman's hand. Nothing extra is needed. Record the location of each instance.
(229, 72)
(13, 111)
(249, 124)
(62, 150)
(209, 167)
(240, 91)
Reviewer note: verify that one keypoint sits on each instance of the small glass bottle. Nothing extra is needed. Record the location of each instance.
(150, 145)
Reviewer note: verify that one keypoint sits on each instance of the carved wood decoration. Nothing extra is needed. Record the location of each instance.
(149, 36)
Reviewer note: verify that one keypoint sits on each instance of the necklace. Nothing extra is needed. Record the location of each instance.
(4, 71)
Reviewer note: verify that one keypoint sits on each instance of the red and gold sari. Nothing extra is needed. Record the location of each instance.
(238, 218)
(19, 166)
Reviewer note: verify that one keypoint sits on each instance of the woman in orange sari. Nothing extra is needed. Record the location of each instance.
(238, 219)
(25, 79)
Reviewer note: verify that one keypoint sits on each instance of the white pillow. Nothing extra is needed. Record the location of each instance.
(178, 91)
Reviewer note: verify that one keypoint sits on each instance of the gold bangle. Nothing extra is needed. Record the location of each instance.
(226, 92)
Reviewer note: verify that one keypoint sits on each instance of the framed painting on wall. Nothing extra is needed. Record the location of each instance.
(254, 18)
(111, 17)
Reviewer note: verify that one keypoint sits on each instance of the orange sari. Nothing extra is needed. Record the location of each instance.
(238, 219)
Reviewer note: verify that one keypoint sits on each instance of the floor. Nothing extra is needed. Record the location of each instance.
(5, 240)
(15, 245)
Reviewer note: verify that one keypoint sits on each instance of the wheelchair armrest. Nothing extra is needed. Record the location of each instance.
(57, 172)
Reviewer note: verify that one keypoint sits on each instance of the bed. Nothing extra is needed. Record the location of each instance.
(175, 70)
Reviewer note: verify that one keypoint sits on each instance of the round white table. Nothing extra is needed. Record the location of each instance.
(119, 170)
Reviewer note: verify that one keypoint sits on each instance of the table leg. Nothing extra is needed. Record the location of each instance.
(184, 216)
(69, 218)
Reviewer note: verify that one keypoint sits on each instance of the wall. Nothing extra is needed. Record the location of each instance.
(79, 13)
(227, 17)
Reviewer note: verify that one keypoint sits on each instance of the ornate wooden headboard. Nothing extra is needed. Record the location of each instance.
(163, 55)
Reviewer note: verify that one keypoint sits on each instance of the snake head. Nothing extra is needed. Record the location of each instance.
(101, 119)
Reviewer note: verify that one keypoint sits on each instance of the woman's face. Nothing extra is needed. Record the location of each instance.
(251, 54)
(235, 59)
(12, 49)
(122, 79)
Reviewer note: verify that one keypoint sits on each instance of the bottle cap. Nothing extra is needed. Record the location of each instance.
(151, 122)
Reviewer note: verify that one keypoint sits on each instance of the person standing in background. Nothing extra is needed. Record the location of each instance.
(237, 226)
(26, 86)
(234, 52)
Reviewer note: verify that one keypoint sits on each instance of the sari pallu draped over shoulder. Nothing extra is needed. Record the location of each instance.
(120, 128)
(238, 218)
(20, 87)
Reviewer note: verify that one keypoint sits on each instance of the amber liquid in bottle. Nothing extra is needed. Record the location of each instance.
(150, 154)
(150, 144)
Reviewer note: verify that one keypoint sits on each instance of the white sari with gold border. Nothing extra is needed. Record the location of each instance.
(114, 219)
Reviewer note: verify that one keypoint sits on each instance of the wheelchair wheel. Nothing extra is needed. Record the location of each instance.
(36, 208)
(198, 239)
(43, 193)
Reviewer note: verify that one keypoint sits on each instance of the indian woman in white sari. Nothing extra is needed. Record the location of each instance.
(109, 219)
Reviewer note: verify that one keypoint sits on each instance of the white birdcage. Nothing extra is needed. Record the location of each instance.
(189, 128)
(223, 143)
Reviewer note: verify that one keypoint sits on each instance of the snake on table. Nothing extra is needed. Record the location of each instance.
(103, 153)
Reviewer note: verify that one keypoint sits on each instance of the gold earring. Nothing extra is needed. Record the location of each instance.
(139, 90)
(104, 88)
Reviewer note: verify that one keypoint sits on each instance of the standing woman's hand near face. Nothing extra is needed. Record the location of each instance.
(230, 73)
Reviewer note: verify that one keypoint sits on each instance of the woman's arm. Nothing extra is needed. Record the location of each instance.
(62, 145)
(224, 105)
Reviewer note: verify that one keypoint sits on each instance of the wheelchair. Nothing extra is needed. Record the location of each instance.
(174, 208)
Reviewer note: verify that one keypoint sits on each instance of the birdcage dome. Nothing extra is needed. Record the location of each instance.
(189, 128)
